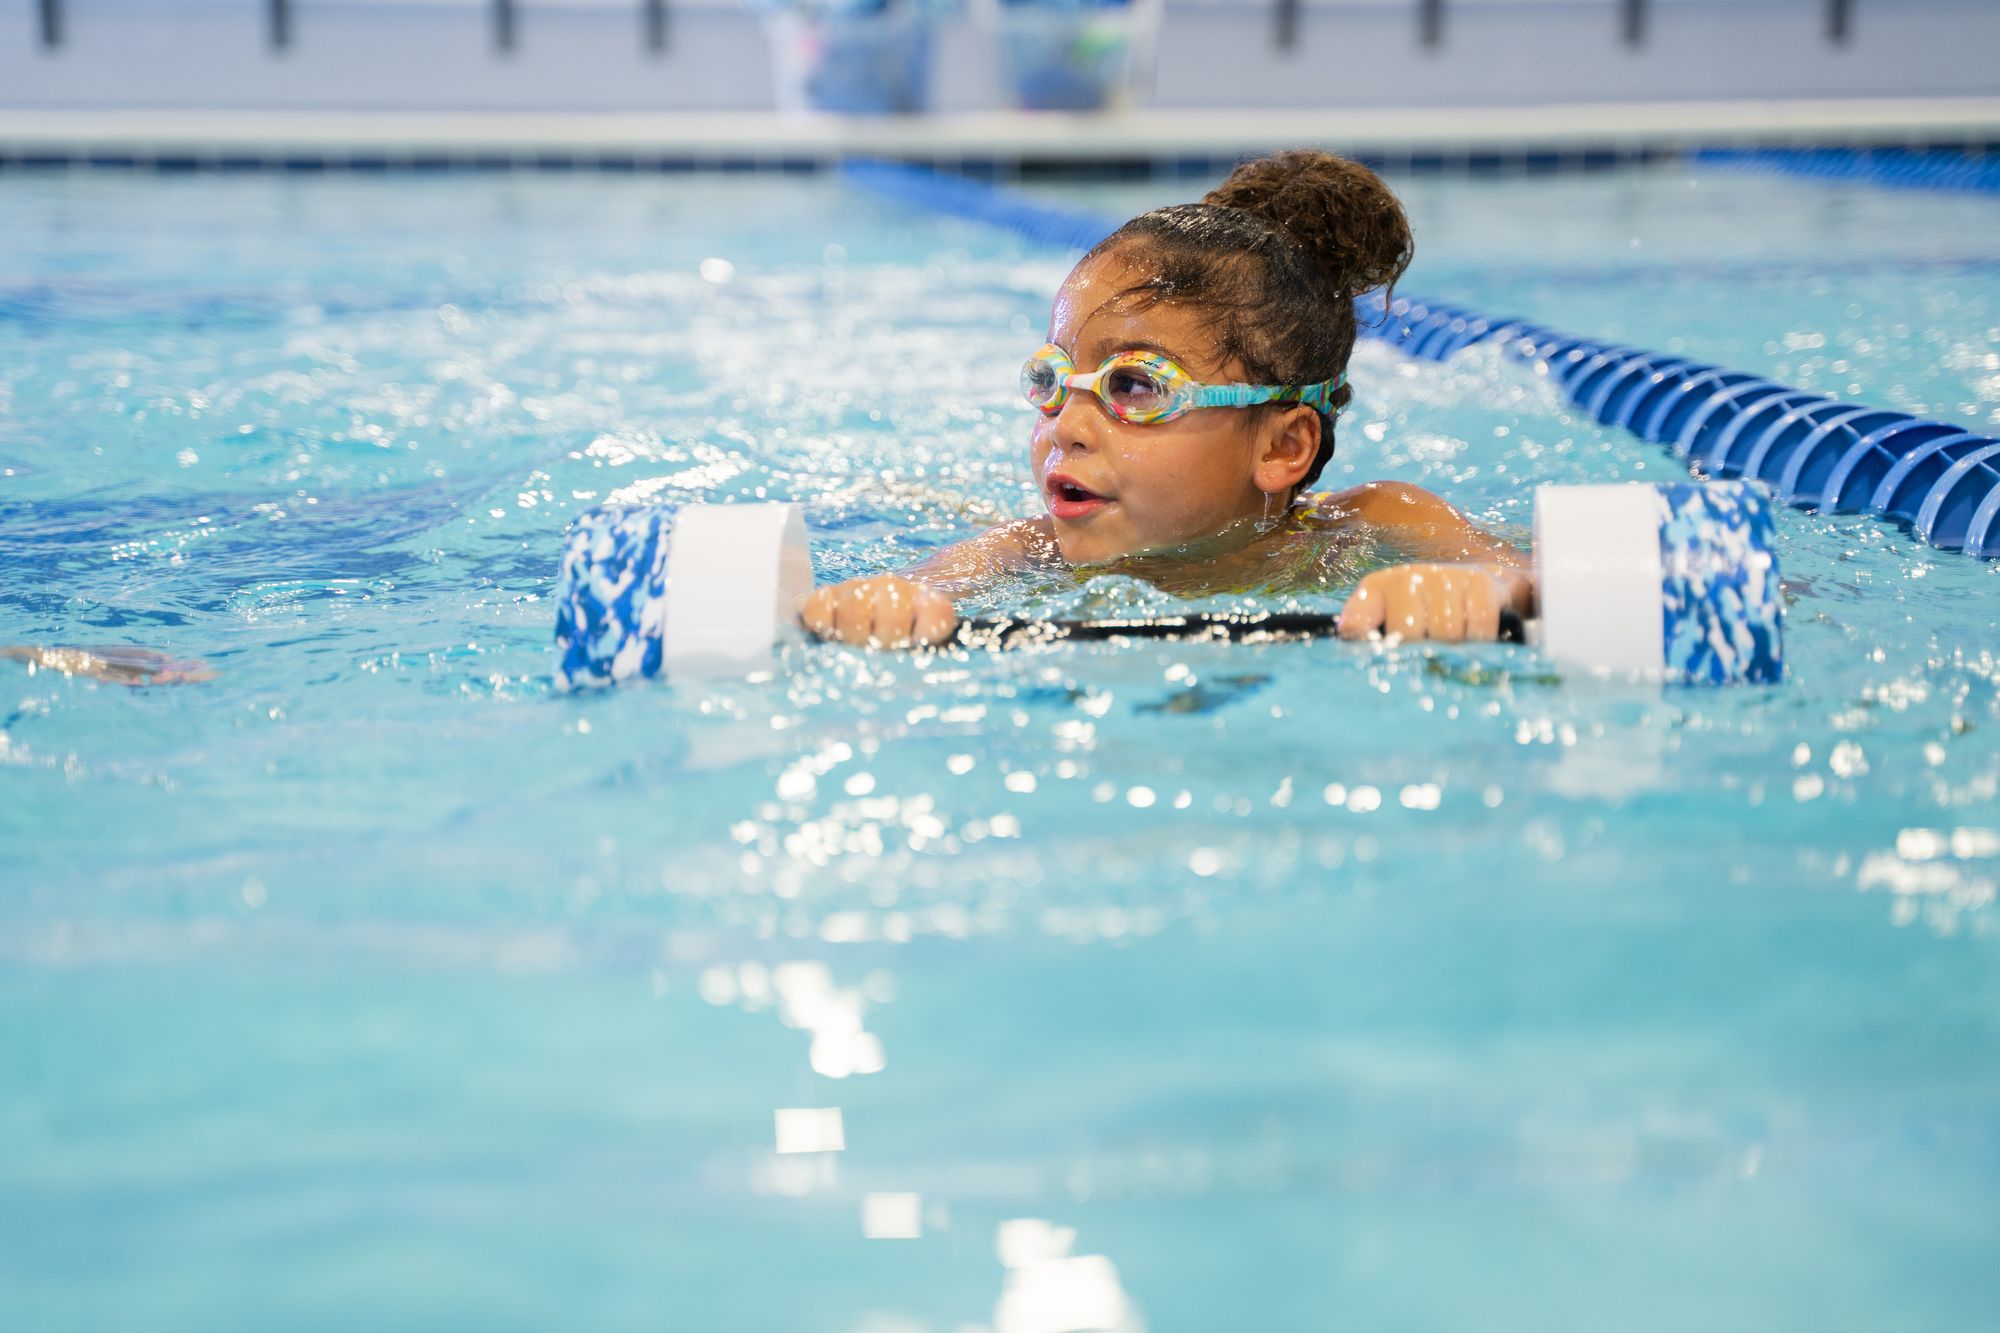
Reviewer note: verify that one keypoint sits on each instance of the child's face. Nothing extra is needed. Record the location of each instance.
(1149, 488)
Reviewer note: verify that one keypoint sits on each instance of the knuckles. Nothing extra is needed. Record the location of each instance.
(1446, 603)
(879, 611)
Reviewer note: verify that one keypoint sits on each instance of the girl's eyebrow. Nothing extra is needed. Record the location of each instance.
(1113, 346)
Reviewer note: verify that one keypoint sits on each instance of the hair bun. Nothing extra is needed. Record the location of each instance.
(1351, 226)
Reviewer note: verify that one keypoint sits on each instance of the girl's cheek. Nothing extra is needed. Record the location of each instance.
(1038, 461)
(1040, 440)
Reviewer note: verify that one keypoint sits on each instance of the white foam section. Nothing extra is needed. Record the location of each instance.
(736, 577)
(1597, 567)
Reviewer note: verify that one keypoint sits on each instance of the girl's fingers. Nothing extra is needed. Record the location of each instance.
(1365, 609)
(817, 613)
(1446, 605)
(885, 611)
(890, 625)
(854, 617)
(1408, 617)
(1482, 610)
(936, 618)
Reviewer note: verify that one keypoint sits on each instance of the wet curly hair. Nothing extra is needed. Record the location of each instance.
(1276, 254)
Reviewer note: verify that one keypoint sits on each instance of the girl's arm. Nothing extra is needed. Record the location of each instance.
(913, 608)
(121, 665)
(1464, 579)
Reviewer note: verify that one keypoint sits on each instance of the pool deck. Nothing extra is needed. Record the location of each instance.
(758, 137)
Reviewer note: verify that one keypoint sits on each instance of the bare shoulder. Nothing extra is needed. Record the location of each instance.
(1389, 504)
(1420, 523)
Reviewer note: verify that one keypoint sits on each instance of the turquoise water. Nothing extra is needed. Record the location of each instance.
(1312, 986)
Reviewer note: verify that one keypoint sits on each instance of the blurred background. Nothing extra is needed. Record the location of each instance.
(713, 63)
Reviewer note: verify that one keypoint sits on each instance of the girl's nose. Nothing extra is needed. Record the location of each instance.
(1081, 422)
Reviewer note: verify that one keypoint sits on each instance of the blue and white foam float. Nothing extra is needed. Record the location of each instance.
(1675, 583)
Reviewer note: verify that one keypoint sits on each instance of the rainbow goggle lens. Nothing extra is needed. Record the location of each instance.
(1145, 388)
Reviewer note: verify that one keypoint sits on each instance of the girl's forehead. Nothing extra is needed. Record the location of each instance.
(1099, 310)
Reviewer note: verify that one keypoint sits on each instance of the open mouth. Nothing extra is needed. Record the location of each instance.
(1069, 499)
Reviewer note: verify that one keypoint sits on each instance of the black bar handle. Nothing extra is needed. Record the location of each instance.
(1010, 632)
(279, 14)
(1839, 21)
(503, 25)
(51, 23)
(653, 13)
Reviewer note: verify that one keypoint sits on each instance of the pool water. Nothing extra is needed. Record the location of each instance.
(1164, 986)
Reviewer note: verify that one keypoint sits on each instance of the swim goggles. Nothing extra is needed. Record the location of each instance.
(1145, 388)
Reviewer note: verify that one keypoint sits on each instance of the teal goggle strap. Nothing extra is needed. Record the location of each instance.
(1319, 397)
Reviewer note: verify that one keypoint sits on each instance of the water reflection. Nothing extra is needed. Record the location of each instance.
(807, 998)
(1931, 875)
(1050, 1290)
(808, 1139)
(810, 1129)
(892, 1216)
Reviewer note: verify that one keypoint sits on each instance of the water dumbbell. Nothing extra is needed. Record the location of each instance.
(1677, 582)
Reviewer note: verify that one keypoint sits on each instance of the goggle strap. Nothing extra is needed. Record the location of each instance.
(1316, 396)
(1236, 395)
(1321, 395)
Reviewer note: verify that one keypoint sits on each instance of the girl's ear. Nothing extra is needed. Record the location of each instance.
(1286, 450)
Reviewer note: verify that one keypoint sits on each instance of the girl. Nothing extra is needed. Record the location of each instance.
(1195, 364)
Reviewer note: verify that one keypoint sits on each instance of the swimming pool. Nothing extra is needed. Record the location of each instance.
(1312, 986)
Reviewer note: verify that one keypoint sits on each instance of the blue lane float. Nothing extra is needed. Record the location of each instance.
(1891, 168)
(976, 201)
(1814, 452)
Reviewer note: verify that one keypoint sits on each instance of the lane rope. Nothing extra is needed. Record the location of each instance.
(1891, 168)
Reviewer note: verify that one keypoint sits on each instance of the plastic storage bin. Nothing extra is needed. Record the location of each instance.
(866, 64)
(1070, 55)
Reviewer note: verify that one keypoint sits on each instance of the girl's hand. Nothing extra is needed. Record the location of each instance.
(1448, 603)
(886, 611)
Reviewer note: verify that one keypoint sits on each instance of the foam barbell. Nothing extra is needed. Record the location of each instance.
(1677, 582)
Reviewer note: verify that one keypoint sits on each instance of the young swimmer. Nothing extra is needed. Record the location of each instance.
(1195, 365)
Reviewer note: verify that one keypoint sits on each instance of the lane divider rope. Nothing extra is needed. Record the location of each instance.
(1894, 168)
